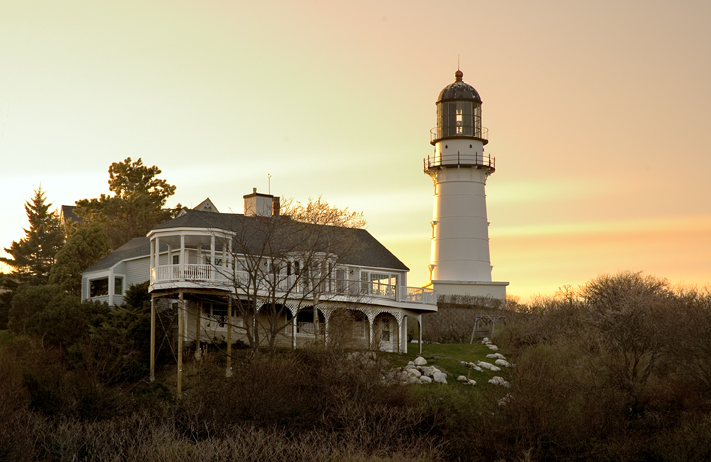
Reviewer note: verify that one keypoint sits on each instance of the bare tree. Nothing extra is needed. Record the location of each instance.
(634, 316)
(279, 266)
(319, 212)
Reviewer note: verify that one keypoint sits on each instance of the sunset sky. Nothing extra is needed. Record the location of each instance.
(599, 115)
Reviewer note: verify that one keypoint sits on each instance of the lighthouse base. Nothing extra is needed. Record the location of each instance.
(471, 288)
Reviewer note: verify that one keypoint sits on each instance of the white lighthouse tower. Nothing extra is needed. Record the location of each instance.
(460, 262)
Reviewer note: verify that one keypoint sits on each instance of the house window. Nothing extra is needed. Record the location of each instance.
(385, 333)
(99, 287)
(217, 312)
(118, 286)
(360, 325)
(176, 259)
(381, 284)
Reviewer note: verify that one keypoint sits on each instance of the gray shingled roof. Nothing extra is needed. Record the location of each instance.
(366, 250)
(136, 247)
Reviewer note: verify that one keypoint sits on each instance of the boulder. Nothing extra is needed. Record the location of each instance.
(425, 379)
(414, 372)
(485, 365)
(492, 347)
(420, 361)
(496, 356)
(462, 379)
(440, 377)
(496, 380)
(502, 362)
(429, 371)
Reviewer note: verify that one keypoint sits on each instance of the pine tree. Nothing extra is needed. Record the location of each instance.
(33, 256)
(136, 206)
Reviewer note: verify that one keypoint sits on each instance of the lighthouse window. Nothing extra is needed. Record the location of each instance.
(459, 119)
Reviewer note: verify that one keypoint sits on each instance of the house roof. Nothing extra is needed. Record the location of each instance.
(67, 214)
(361, 248)
(136, 247)
(250, 232)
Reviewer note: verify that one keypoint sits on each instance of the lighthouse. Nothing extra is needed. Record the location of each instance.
(460, 263)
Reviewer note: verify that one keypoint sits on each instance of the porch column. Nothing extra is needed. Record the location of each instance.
(326, 316)
(152, 256)
(224, 257)
(419, 333)
(212, 256)
(399, 333)
(293, 331)
(198, 351)
(173, 271)
(153, 339)
(403, 338)
(228, 364)
(182, 256)
(370, 333)
(180, 344)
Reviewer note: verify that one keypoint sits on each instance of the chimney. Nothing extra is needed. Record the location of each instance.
(258, 205)
(275, 206)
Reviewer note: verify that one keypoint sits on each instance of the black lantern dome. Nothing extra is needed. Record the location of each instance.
(459, 90)
(458, 112)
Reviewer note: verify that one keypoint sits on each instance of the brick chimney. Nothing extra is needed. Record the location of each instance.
(259, 205)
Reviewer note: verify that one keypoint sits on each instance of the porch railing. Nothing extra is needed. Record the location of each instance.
(298, 285)
(188, 272)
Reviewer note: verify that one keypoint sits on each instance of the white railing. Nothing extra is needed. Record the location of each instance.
(418, 295)
(292, 284)
(188, 272)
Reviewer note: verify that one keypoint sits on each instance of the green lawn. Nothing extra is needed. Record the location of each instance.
(448, 357)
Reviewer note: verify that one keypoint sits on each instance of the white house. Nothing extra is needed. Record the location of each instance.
(237, 269)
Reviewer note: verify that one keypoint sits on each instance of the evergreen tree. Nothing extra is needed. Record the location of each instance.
(33, 256)
(86, 246)
(136, 207)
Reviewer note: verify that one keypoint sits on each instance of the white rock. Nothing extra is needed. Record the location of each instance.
(471, 382)
(410, 363)
(496, 380)
(440, 377)
(462, 379)
(496, 356)
(420, 361)
(475, 367)
(413, 379)
(484, 365)
(414, 372)
(502, 362)
(429, 371)
(425, 379)
(492, 347)
(485, 341)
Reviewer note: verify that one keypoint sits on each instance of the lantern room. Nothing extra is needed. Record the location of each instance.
(458, 113)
